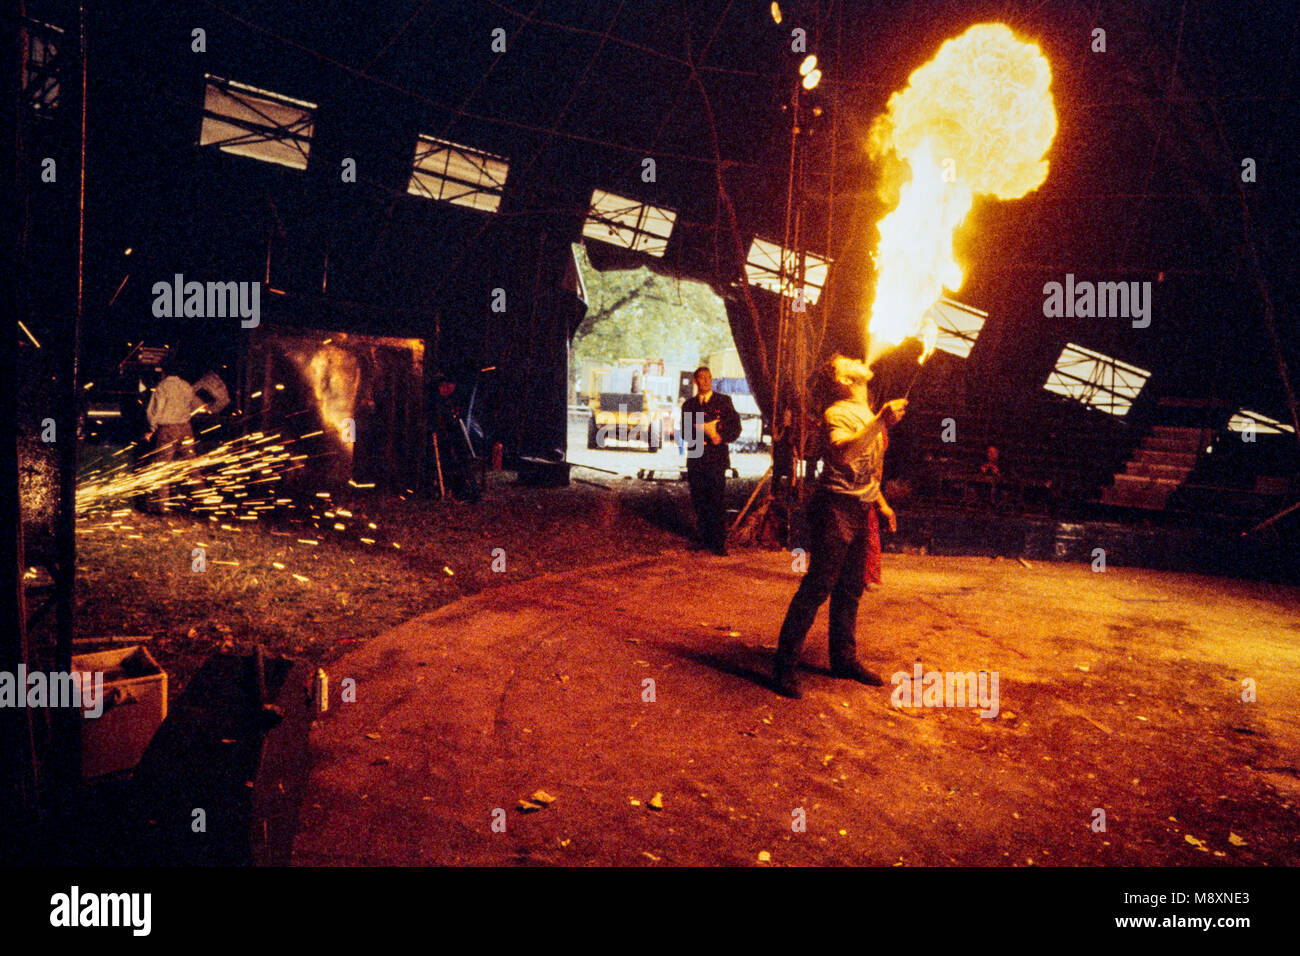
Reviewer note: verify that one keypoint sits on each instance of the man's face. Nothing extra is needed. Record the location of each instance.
(851, 373)
(704, 381)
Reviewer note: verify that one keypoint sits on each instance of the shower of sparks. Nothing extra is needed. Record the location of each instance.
(238, 481)
(230, 481)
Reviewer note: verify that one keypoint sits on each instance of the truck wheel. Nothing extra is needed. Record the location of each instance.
(591, 433)
(656, 439)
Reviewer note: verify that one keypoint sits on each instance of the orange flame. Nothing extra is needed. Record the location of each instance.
(974, 121)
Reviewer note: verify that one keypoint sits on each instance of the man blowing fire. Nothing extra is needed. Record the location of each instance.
(848, 488)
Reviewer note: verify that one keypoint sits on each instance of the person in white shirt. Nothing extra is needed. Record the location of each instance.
(853, 448)
(171, 405)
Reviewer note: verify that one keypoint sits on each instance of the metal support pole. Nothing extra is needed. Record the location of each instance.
(16, 788)
(64, 722)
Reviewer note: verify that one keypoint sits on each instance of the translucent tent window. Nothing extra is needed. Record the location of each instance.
(1245, 420)
(763, 269)
(959, 326)
(457, 174)
(1097, 380)
(628, 223)
(250, 122)
(41, 66)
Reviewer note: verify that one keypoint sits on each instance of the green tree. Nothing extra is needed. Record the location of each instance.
(637, 313)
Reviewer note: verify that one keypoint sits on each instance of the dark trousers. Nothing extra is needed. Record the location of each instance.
(172, 442)
(708, 495)
(836, 569)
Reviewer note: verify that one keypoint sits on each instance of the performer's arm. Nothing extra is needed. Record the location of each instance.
(887, 512)
(152, 411)
(842, 434)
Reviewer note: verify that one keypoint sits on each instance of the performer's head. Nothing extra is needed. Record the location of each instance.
(703, 380)
(172, 364)
(846, 378)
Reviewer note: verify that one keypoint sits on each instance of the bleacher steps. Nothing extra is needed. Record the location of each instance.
(1159, 465)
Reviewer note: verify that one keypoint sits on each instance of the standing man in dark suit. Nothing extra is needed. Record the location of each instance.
(709, 425)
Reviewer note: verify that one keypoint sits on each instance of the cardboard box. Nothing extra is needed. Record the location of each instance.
(134, 706)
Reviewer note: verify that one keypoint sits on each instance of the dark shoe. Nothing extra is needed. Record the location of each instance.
(857, 672)
(785, 681)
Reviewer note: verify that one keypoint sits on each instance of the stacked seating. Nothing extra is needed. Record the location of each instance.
(1158, 467)
(1054, 455)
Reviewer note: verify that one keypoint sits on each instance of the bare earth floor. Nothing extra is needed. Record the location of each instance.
(1119, 691)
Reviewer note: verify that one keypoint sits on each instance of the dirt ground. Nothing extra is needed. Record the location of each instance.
(1121, 738)
(267, 582)
(480, 684)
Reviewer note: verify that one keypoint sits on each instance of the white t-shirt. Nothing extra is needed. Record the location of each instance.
(172, 402)
(853, 468)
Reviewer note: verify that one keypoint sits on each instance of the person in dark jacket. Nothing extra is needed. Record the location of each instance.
(709, 424)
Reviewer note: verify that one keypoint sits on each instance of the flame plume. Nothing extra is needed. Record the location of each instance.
(976, 120)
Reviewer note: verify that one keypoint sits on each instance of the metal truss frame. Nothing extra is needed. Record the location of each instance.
(1099, 381)
(489, 181)
(629, 223)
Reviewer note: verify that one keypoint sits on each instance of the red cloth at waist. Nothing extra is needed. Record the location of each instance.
(873, 547)
(873, 574)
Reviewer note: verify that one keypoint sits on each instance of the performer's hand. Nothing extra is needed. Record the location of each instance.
(893, 411)
(890, 516)
(711, 429)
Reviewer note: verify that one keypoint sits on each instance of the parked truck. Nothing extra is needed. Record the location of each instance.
(631, 402)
